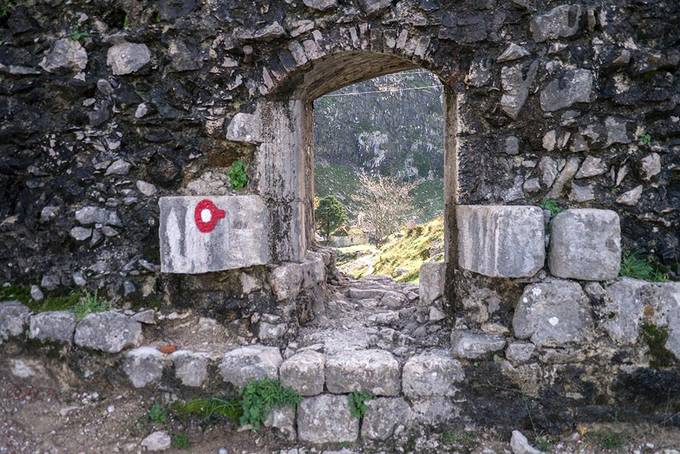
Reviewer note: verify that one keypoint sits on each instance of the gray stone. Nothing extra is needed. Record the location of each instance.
(473, 345)
(630, 198)
(383, 416)
(286, 281)
(560, 22)
(245, 127)
(673, 341)
(50, 281)
(585, 244)
(127, 58)
(520, 445)
(519, 352)
(271, 331)
(372, 7)
(480, 72)
(553, 313)
(109, 332)
(283, 419)
(511, 145)
(239, 239)
(190, 368)
(65, 55)
(56, 326)
(253, 362)
(374, 371)
(616, 131)
(582, 193)
(80, 233)
(623, 310)
(118, 167)
(143, 366)
(532, 185)
(516, 87)
(182, 58)
(157, 441)
(501, 241)
(431, 374)
(142, 110)
(172, 9)
(304, 372)
(549, 170)
(512, 52)
(13, 318)
(591, 167)
(48, 213)
(147, 317)
(313, 270)
(321, 5)
(434, 411)
(432, 282)
(572, 87)
(36, 293)
(549, 140)
(650, 166)
(95, 215)
(435, 314)
(565, 175)
(326, 419)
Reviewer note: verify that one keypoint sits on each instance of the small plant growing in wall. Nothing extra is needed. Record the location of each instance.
(645, 138)
(259, 397)
(238, 174)
(6, 7)
(357, 402)
(77, 35)
(90, 303)
(633, 265)
(552, 206)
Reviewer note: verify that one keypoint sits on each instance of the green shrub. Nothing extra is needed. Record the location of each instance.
(552, 206)
(357, 402)
(209, 408)
(90, 303)
(238, 174)
(180, 441)
(259, 397)
(632, 265)
(157, 413)
(330, 215)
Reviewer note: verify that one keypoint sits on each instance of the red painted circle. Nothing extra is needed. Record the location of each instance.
(215, 215)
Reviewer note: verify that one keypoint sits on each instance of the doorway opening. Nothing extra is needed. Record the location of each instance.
(379, 183)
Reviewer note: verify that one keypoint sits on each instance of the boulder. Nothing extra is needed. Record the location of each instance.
(574, 85)
(553, 313)
(374, 371)
(252, 362)
(157, 441)
(13, 318)
(245, 127)
(286, 281)
(383, 416)
(109, 332)
(65, 55)
(326, 419)
(431, 374)
(432, 282)
(585, 244)
(472, 345)
(501, 241)
(127, 58)
(282, 419)
(143, 366)
(560, 22)
(304, 372)
(191, 368)
(57, 326)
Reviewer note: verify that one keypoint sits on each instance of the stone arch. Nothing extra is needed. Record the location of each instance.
(286, 118)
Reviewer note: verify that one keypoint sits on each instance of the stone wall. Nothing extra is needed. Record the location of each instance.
(106, 107)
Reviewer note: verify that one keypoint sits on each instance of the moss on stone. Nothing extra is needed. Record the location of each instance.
(655, 337)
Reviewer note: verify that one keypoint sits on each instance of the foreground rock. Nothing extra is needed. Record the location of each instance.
(326, 419)
(553, 313)
(57, 326)
(191, 368)
(383, 416)
(254, 362)
(432, 279)
(157, 441)
(109, 332)
(520, 445)
(431, 374)
(143, 366)
(65, 55)
(375, 371)
(13, 317)
(473, 345)
(304, 372)
(127, 58)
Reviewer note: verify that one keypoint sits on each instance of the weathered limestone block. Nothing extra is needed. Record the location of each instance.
(326, 419)
(13, 318)
(57, 326)
(432, 282)
(585, 244)
(253, 362)
(560, 22)
(191, 368)
(434, 410)
(624, 310)
(516, 83)
(473, 345)
(65, 55)
(283, 419)
(313, 270)
(431, 374)
(571, 87)
(109, 332)
(553, 313)
(375, 371)
(127, 58)
(286, 281)
(321, 5)
(304, 372)
(239, 236)
(520, 445)
(245, 127)
(383, 416)
(519, 352)
(143, 366)
(501, 241)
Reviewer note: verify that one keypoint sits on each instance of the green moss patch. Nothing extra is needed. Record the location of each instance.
(655, 337)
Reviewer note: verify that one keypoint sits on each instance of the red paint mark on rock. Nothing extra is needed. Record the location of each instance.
(206, 215)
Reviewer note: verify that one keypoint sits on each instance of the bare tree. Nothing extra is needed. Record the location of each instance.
(385, 205)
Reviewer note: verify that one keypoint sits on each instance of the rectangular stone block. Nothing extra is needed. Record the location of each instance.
(501, 241)
(203, 234)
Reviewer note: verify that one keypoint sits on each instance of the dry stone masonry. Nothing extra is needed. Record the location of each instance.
(115, 146)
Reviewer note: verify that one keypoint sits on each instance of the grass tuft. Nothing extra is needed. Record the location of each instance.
(209, 408)
(606, 439)
(90, 303)
(357, 402)
(632, 265)
(180, 441)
